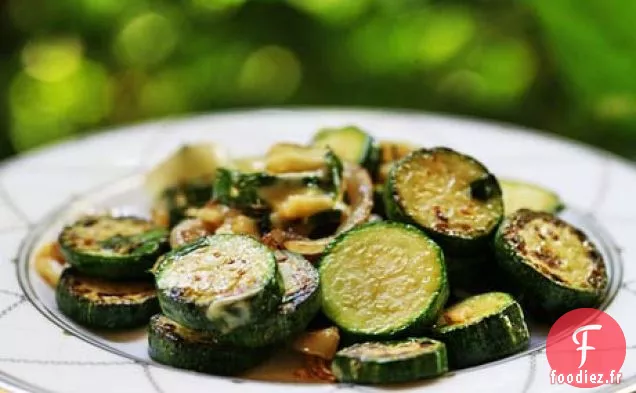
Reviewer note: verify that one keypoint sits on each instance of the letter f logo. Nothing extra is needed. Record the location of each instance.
(583, 344)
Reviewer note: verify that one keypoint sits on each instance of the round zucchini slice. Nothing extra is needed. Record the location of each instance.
(301, 302)
(390, 362)
(382, 280)
(521, 195)
(553, 264)
(482, 328)
(451, 196)
(349, 144)
(175, 345)
(219, 283)
(113, 247)
(97, 303)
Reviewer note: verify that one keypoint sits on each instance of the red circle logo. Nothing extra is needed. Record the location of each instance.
(586, 348)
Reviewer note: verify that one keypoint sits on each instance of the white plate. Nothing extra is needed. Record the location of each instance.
(42, 351)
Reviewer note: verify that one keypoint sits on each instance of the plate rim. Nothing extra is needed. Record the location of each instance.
(35, 229)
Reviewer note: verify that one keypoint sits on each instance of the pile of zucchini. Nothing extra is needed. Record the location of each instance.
(441, 276)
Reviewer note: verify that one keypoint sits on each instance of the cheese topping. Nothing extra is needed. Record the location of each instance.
(434, 189)
(222, 276)
(286, 157)
(293, 201)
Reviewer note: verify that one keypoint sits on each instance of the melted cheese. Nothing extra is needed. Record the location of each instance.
(286, 158)
(222, 277)
(435, 192)
(290, 202)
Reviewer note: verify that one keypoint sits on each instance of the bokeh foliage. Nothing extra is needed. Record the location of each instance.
(68, 67)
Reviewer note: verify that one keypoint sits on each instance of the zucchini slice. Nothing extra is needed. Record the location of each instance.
(97, 303)
(177, 346)
(113, 247)
(390, 362)
(299, 305)
(450, 196)
(219, 283)
(383, 279)
(175, 200)
(521, 195)
(289, 196)
(482, 328)
(350, 144)
(553, 264)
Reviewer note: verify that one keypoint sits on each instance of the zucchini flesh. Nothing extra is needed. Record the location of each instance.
(349, 144)
(219, 283)
(553, 264)
(390, 362)
(450, 196)
(113, 247)
(482, 328)
(98, 303)
(300, 303)
(175, 345)
(521, 195)
(383, 279)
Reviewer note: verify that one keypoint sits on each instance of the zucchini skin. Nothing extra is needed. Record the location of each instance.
(382, 371)
(370, 150)
(193, 316)
(544, 297)
(292, 317)
(122, 315)
(416, 326)
(452, 245)
(493, 337)
(178, 199)
(117, 267)
(200, 352)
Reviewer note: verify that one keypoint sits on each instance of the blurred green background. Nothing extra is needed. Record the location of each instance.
(69, 67)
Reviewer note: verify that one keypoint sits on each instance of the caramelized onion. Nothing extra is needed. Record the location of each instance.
(319, 369)
(322, 343)
(187, 231)
(49, 263)
(359, 190)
